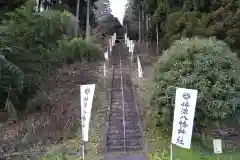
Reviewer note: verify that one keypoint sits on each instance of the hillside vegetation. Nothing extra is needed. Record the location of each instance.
(198, 50)
(32, 44)
(41, 64)
(185, 18)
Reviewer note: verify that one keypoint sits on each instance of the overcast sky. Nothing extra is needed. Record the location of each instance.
(118, 8)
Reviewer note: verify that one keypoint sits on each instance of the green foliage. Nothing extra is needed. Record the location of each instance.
(188, 5)
(188, 18)
(31, 41)
(79, 49)
(55, 156)
(159, 155)
(222, 23)
(11, 77)
(7, 6)
(207, 65)
(26, 37)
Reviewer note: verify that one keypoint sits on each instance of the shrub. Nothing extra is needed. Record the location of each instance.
(79, 49)
(207, 65)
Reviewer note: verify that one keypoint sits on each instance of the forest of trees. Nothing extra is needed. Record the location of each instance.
(40, 49)
(38, 37)
(33, 44)
(178, 18)
(208, 63)
(107, 24)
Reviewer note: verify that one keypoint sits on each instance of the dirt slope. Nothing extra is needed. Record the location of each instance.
(57, 120)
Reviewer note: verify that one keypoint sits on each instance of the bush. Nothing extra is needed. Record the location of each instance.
(207, 65)
(79, 49)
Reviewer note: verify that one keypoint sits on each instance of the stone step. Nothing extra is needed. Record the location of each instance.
(117, 100)
(115, 143)
(130, 105)
(119, 121)
(131, 116)
(133, 148)
(127, 148)
(131, 123)
(128, 97)
(121, 143)
(127, 89)
(127, 110)
(115, 130)
(117, 95)
(115, 148)
(127, 136)
(116, 119)
(116, 113)
(132, 129)
(116, 122)
(116, 104)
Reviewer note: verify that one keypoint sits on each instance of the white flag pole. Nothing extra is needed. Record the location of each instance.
(105, 66)
(140, 74)
(86, 97)
(132, 51)
(171, 151)
(139, 70)
(83, 150)
(125, 38)
(131, 56)
(104, 70)
(110, 45)
(83, 142)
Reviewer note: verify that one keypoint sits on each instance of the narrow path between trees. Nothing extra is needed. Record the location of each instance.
(124, 135)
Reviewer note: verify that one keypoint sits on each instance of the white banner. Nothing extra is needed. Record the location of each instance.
(217, 146)
(115, 37)
(133, 45)
(104, 70)
(86, 93)
(106, 55)
(113, 41)
(125, 38)
(140, 72)
(110, 45)
(185, 104)
(131, 55)
(131, 48)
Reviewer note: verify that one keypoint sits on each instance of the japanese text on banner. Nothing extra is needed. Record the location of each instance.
(87, 92)
(185, 104)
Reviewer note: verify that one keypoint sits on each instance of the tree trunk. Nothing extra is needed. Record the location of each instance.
(202, 136)
(39, 5)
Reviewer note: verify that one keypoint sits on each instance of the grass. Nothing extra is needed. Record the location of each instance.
(71, 149)
(183, 154)
(158, 144)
